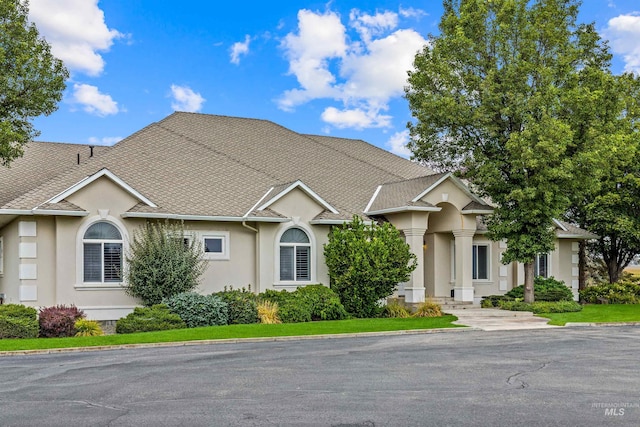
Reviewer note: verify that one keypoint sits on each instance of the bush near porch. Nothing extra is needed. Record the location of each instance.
(626, 291)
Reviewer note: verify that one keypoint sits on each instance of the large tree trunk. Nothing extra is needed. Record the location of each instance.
(582, 264)
(614, 270)
(528, 282)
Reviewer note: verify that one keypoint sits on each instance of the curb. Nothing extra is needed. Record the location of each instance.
(235, 341)
(605, 324)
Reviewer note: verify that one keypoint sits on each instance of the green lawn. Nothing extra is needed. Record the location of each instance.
(596, 313)
(235, 331)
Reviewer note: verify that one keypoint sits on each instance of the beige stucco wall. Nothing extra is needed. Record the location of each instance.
(301, 208)
(9, 282)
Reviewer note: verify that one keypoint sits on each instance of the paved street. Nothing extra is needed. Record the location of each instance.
(579, 376)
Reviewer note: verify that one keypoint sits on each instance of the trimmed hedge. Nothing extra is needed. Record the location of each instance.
(18, 321)
(242, 305)
(622, 292)
(544, 289)
(59, 321)
(145, 319)
(198, 310)
(539, 307)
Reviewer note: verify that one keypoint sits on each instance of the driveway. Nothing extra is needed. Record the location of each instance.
(547, 377)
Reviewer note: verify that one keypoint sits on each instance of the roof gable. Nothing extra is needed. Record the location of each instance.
(91, 178)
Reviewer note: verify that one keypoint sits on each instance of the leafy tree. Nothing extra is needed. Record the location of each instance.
(611, 209)
(31, 79)
(490, 96)
(366, 263)
(162, 263)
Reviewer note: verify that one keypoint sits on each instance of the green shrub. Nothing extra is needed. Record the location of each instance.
(290, 310)
(541, 306)
(242, 305)
(18, 321)
(311, 302)
(494, 300)
(88, 328)
(161, 264)
(145, 319)
(198, 310)
(366, 263)
(544, 289)
(59, 321)
(622, 292)
(323, 303)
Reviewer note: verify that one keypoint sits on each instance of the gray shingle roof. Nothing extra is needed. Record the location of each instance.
(197, 164)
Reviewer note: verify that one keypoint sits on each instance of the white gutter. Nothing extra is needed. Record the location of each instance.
(200, 217)
(405, 209)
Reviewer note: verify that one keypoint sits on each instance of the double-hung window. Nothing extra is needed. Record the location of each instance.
(102, 253)
(541, 265)
(480, 262)
(295, 256)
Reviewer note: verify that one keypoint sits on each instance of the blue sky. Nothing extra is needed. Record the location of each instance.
(332, 68)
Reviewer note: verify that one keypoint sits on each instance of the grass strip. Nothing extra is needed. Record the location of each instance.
(234, 331)
(597, 313)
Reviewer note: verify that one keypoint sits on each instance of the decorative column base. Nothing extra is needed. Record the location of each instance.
(414, 295)
(463, 294)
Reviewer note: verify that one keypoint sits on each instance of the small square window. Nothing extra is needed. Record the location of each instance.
(213, 244)
(216, 245)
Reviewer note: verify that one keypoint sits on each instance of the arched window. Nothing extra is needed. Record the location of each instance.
(295, 256)
(102, 253)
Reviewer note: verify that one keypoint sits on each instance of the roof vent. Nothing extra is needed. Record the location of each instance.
(91, 151)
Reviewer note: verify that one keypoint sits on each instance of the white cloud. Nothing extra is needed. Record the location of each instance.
(105, 140)
(623, 32)
(355, 118)
(320, 38)
(93, 101)
(239, 49)
(185, 99)
(397, 144)
(362, 67)
(411, 12)
(76, 31)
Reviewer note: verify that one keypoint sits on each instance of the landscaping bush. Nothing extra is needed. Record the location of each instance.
(622, 292)
(366, 263)
(18, 321)
(242, 305)
(268, 312)
(88, 328)
(323, 303)
(395, 309)
(311, 302)
(494, 300)
(198, 310)
(161, 263)
(59, 321)
(428, 309)
(145, 319)
(541, 306)
(544, 289)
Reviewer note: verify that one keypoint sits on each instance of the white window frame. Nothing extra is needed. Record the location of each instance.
(312, 256)
(1, 255)
(102, 242)
(226, 246)
(474, 267)
(536, 265)
(80, 283)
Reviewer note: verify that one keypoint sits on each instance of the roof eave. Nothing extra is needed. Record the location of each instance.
(405, 209)
(215, 218)
(478, 211)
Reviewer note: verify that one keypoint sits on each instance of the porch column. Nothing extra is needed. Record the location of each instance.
(414, 290)
(463, 290)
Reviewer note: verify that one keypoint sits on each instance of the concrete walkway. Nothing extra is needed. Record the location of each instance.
(489, 319)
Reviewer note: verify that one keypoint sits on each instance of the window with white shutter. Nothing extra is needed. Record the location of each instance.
(295, 256)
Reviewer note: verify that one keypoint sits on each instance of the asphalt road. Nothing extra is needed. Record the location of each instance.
(564, 377)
